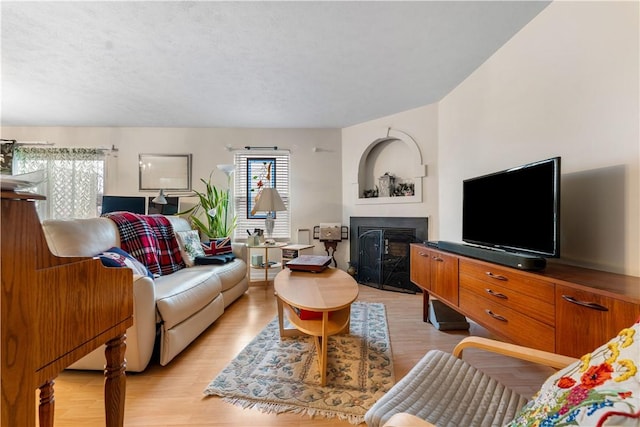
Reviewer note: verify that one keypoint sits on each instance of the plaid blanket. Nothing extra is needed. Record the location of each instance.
(150, 239)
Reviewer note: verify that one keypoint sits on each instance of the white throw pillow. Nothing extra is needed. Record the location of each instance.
(190, 247)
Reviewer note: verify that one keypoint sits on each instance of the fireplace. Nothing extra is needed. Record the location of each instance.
(380, 250)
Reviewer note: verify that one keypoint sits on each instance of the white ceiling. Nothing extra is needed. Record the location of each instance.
(241, 64)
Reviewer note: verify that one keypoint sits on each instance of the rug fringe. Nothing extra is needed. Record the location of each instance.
(271, 407)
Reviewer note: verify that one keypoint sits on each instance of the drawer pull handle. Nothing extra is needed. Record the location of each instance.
(495, 316)
(496, 276)
(423, 254)
(437, 258)
(496, 294)
(587, 304)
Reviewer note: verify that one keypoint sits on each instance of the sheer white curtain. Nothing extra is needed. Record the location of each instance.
(75, 179)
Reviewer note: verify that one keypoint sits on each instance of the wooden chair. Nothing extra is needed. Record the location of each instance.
(444, 390)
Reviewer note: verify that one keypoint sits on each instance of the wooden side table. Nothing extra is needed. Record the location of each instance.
(266, 265)
(293, 251)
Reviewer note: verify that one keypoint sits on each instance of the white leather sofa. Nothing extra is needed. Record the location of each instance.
(178, 306)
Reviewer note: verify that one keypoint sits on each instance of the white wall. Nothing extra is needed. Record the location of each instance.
(567, 85)
(315, 176)
(422, 124)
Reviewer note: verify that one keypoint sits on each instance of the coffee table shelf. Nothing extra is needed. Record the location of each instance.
(337, 322)
(328, 291)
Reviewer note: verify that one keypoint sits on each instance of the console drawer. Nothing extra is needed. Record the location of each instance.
(507, 322)
(507, 278)
(529, 305)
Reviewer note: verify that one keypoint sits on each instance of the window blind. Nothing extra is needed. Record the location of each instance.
(282, 226)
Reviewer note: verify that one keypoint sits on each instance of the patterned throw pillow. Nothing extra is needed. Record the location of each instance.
(601, 389)
(218, 246)
(116, 257)
(189, 244)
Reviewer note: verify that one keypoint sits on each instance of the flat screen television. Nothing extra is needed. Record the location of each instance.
(516, 210)
(135, 204)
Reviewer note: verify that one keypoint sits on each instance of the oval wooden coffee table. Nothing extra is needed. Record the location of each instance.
(329, 293)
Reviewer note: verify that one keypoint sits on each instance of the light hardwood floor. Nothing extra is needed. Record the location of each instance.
(164, 396)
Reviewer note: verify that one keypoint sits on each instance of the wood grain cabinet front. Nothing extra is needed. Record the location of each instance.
(531, 296)
(444, 277)
(587, 320)
(564, 309)
(420, 271)
(515, 306)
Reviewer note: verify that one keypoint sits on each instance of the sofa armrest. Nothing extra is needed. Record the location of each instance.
(239, 250)
(553, 360)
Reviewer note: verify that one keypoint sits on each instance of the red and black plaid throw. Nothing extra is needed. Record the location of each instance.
(150, 240)
(169, 255)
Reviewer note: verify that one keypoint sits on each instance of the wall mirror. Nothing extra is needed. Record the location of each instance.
(165, 171)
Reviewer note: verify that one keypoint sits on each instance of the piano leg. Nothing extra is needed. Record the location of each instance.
(115, 381)
(47, 404)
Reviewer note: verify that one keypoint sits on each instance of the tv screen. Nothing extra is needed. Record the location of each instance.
(516, 210)
(135, 204)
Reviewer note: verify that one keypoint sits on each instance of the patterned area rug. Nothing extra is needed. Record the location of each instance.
(275, 375)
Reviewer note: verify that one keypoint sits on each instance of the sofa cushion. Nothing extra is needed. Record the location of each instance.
(190, 247)
(230, 274)
(184, 293)
(116, 257)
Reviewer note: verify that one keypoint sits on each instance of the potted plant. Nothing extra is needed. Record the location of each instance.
(217, 221)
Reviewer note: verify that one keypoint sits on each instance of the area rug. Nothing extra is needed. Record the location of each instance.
(281, 375)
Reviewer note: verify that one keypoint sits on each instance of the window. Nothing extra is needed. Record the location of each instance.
(246, 162)
(75, 179)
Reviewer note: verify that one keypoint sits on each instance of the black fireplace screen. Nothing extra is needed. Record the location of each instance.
(383, 258)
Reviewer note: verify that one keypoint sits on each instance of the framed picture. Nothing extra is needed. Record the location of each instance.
(165, 172)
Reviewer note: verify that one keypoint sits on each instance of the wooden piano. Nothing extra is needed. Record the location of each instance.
(54, 311)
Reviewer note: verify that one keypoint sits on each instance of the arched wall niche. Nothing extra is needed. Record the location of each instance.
(379, 155)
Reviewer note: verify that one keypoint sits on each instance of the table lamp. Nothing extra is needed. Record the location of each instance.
(269, 201)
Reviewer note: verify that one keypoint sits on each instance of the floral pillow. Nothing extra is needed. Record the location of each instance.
(601, 389)
(189, 244)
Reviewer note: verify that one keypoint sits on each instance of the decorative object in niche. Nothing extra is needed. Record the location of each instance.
(164, 172)
(371, 193)
(404, 189)
(373, 189)
(387, 183)
(391, 186)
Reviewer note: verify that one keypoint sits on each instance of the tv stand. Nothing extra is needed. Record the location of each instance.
(563, 309)
(510, 259)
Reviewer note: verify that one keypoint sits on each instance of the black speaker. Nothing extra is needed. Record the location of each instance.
(510, 259)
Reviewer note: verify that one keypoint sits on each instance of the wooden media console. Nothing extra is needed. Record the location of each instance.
(563, 309)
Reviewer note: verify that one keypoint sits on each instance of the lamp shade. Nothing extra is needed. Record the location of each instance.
(160, 199)
(269, 201)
